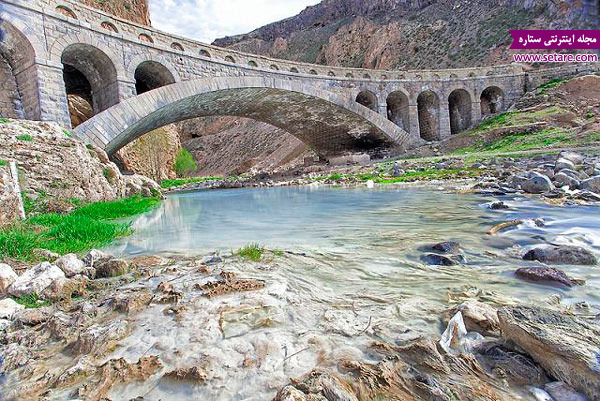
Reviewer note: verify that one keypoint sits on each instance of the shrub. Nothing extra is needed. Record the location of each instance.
(253, 252)
(26, 138)
(184, 164)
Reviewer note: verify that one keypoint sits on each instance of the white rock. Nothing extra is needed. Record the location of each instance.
(70, 264)
(370, 184)
(93, 256)
(7, 277)
(563, 163)
(8, 308)
(36, 279)
(592, 184)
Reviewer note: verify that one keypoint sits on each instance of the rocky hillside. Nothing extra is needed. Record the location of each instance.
(133, 10)
(410, 34)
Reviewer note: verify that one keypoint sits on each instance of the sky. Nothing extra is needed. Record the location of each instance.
(207, 20)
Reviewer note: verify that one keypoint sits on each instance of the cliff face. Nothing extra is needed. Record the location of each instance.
(133, 10)
(411, 34)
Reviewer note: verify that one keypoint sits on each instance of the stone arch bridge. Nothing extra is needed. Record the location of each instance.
(136, 79)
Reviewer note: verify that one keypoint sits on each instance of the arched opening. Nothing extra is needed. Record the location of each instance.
(177, 46)
(492, 101)
(145, 38)
(151, 75)
(205, 53)
(384, 76)
(274, 67)
(109, 27)
(459, 107)
(90, 81)
(229, 59)
(367, 99)
(314, 72)
(349, 75)
(18, 90)
(331, 74)
(366, 76)
(397, 110)
(294, 70)
(252, 63)
(66, 11)
(428, 104)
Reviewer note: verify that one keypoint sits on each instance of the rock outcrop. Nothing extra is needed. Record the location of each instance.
(10, 196)
(133, 10)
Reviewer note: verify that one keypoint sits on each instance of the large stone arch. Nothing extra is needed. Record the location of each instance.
(428, 105)
(151, 75)
(18, 73)
(398, 110)
(368, 99)
(158, 59)
(460, 110)
(329, 123)
(493, 99)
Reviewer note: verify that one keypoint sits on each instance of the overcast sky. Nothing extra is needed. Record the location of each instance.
(206, 20)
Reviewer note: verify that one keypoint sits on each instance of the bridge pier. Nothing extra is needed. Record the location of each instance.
(413, 118)
(444, 127)
(126, 88)
(476, 112)
(51, 92)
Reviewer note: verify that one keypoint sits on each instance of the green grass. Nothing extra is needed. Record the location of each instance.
(3, 162)
(252, 252)
(31, 301)
(546, 138)
(428, 174)
(67, 133)
(4, 120)
(25, 137)
(552, 84)
(83, 229)
(277, 252)
(166, 184)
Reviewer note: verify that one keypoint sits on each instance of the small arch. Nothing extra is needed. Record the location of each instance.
(453, 76)
(252, 64)
(229, 59)
(492, 100)
(294, 70)
(428, 105)
(313, 72)
(398, 109)
(366, 76)
(90, 79)
(384, 76)
(349, 75)
(66, 11)
(145, 38)
(401, 76)
(489, 73)
(419, 77)
(274, 67)
(205, 53)
(472, 75)
(459, 108)
(151, 75)
(367, 99)
(331, 74)
(436, 77)
(177, 46)
(109, 26)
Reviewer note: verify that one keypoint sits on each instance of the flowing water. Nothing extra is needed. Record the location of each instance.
(352, 275)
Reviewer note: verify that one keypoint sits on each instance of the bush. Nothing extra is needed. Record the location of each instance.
(184, 164)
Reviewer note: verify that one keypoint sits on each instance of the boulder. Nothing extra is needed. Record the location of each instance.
(45, 254)
(562, 180)
(591, 184)
(36, 279)
(562, 254)
(8, 308)
(111, 267)
(498, 206)
(70, 264)
(7, 277)
(447, 247)
(568, 348)
(438, 260)
(559, 391)
(538, 184)
(477, 316)
(546, 273)
(93, 256)
(573, 157)
(562, 163)
(136, 184)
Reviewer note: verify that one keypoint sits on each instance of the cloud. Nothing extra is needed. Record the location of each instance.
(206, 20)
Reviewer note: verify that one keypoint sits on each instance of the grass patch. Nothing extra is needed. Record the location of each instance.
(67, 133)
(83, 229)
(25, 137)
(277, 252)
(546, 138)
(167, 184)
(3, 162)
(31, 301)
(251, 252)
(552, 84)
(4, 120)
(428, 174)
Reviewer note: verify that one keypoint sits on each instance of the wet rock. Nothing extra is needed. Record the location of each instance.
(70, 264)
(562, 180)
(591, 184)
(93, 256)
(36, 279)
(131, 301)
(547, 274)
(498, 206)
(562, 163)
(195, 374)
(588, 196)
(477, 316)
(110, 267)
(290, 393)
(8, 308)
(562, 254)
(567, 347)
(223, 287)
(537, 184)
(447, 247)
(96, 339)
(7, 277)
(506, 362)
(212, 259)
(559, 391)
(438, 260)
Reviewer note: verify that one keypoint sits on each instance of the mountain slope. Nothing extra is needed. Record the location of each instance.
(410, 34)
